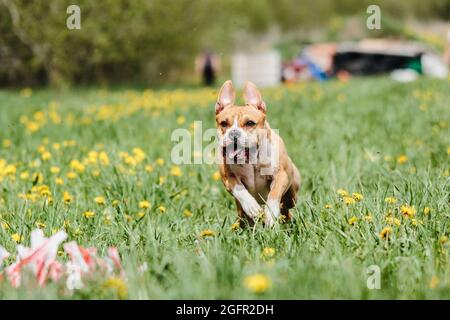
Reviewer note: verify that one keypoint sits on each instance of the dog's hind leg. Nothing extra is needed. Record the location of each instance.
(289, 200)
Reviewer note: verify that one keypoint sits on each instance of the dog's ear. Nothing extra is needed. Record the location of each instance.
(226, 96)
(253, 97)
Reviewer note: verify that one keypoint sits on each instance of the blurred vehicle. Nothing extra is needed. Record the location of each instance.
(366, 57)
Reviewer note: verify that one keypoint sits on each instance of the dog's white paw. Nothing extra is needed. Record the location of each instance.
(251, 207)
(269, 220)
(271, 213)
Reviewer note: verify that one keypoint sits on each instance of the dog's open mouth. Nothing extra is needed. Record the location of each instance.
(236, 153)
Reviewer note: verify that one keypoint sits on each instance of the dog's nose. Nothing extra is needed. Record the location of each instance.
(234, 134)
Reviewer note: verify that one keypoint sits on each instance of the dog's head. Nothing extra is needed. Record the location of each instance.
(240, 127)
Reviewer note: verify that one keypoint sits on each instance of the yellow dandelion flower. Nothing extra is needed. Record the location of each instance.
(100, 200)
(268, 252)
(181, 120)
(443, 239)
(426, 210)
(17, 238)
(235, 226)
(9, 170)
(368, 218)
(115, 203)
(55, 170)
(32, 126)
(46, 155)
(7, 143)
(384, 234)
(107, 219)
(139, 155)
(162, 179)
(187, 213)
(160, 161)
(391, 220)
(44, 191)
(176, 171)
(348, 200)
(40, 225)
(67, 197)
(59, 181)
(95, 173)
(258, 283)
(77, 166)
(407, 211)
(71, 175)
(103, 157)
(328, 206)
(434, 282)
(342, 192)
(357, 196)
(390, 200)
(149, 168)
(89, 214)
(402, 159)
(141, 214)
(24, 175)
(352, 221)
(131, 161)
(4, 225)
(117, 284)
(144, 204)
(162, 209)
(207, 233)
(216, 176)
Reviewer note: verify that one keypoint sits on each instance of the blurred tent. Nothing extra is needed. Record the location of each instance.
(262, 68)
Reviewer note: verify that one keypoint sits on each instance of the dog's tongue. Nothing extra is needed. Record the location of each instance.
(234, 153)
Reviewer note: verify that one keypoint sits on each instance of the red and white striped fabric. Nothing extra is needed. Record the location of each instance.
(39, 258)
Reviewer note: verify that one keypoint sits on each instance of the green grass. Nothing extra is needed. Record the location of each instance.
(340, 135)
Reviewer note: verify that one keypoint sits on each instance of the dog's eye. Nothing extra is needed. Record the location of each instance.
(250, 123)
(224, 124)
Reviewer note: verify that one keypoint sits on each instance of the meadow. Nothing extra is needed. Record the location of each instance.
(374, 156)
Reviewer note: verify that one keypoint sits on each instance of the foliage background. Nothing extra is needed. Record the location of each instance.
(156, 41)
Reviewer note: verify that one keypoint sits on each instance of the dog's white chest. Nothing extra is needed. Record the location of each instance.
(258, 185)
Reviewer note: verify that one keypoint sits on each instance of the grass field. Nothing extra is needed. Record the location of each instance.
(107, 152)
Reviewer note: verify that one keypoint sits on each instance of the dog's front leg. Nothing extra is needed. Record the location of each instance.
(278, 187)
(248, 203)
(233, 185)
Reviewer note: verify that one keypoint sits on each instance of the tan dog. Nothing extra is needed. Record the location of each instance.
(253, 162)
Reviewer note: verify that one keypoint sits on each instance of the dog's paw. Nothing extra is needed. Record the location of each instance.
(251, 207)
(269, 220)
(271, 213)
